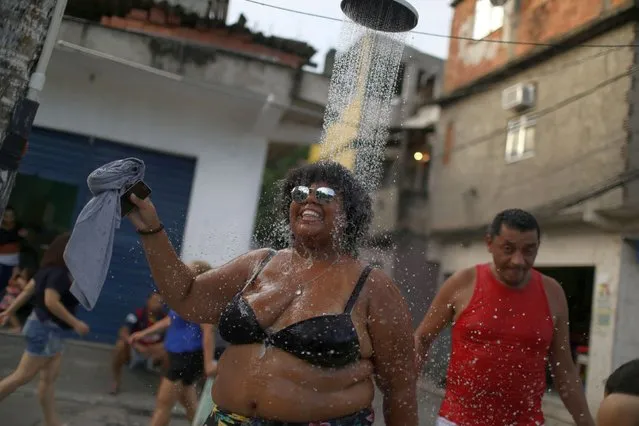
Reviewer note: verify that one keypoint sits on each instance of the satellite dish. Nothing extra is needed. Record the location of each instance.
(498, 2)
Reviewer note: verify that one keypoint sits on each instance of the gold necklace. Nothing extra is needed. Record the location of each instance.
(298, 292)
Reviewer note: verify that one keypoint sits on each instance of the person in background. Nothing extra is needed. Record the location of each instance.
(508, 320)
(620, 406)
(150, 347)
(190, 348)
(220, 345)
(11, 235)
(17, 284)
(29, 264)
(54, 312)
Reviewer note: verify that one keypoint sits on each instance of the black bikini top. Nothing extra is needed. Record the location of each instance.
(329, 341)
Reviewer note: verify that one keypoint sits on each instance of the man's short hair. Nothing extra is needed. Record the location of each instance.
(517, 219)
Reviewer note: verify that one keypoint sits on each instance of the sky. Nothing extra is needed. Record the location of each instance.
(322, 34)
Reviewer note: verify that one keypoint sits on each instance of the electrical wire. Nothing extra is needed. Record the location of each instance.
(541, 113)
(481, 87)
(551, 71)
(450, 37)
(564, 202)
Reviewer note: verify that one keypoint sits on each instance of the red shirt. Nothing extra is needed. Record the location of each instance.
(500, 346)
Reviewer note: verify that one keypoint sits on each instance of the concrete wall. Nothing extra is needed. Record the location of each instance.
(626, 339)
(577, 247)
(194, 61)
(580, 138)
(101, 98)
(313, 88)
(540, 21)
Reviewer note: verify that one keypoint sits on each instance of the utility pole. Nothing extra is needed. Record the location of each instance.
(28, 32)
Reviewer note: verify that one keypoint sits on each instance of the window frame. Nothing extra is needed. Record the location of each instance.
(487, 17)
(517, 137)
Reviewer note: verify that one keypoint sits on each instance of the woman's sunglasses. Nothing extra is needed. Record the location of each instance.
(323, 195)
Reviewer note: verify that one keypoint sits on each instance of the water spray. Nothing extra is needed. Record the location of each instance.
(390, 16)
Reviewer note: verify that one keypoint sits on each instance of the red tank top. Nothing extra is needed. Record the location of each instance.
(500, 345)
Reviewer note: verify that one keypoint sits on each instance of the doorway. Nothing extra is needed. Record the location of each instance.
(578, 284)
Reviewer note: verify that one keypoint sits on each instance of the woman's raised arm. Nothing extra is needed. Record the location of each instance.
(195, 298)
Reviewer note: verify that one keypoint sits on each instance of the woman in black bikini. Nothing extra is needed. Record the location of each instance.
(309, 327)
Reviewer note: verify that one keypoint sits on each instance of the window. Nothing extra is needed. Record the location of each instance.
(520, 141)
(488, 18)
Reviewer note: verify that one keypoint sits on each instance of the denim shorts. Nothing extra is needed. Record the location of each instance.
(44, 338)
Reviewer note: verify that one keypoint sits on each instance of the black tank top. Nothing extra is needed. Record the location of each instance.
(328, 341)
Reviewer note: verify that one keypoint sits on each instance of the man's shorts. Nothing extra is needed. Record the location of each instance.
(185, 367)
(44, 338)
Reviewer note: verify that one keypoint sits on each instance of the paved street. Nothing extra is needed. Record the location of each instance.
(82, 392)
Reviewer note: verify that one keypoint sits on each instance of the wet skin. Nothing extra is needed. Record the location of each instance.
(266, 382)
(514, 253)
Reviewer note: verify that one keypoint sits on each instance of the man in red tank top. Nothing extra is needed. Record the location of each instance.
(509, 322)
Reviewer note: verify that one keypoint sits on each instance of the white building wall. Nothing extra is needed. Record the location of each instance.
(627, 313)
(583, 247)
(101, 98)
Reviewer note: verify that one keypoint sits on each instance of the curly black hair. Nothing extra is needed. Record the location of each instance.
(356, 202)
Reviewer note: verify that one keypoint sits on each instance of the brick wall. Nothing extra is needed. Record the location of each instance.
(525, 21)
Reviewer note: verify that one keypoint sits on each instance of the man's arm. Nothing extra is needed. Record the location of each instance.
(567, 381)
(440, 314)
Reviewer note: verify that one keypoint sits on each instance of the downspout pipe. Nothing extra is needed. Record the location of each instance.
(38, 78)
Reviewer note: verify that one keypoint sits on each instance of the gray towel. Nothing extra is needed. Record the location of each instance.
(88, 253)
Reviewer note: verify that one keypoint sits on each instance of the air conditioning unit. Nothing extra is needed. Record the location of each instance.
(518, 97)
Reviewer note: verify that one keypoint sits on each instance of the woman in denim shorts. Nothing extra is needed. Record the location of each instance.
(53, 313)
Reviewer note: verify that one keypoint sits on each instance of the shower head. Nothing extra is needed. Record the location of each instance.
(391, 16)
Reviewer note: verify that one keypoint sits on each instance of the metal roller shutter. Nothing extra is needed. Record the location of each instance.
(69, 158)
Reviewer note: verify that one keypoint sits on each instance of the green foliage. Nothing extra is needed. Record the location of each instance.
(267, 232)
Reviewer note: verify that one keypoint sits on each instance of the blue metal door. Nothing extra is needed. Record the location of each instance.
(70, 158)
